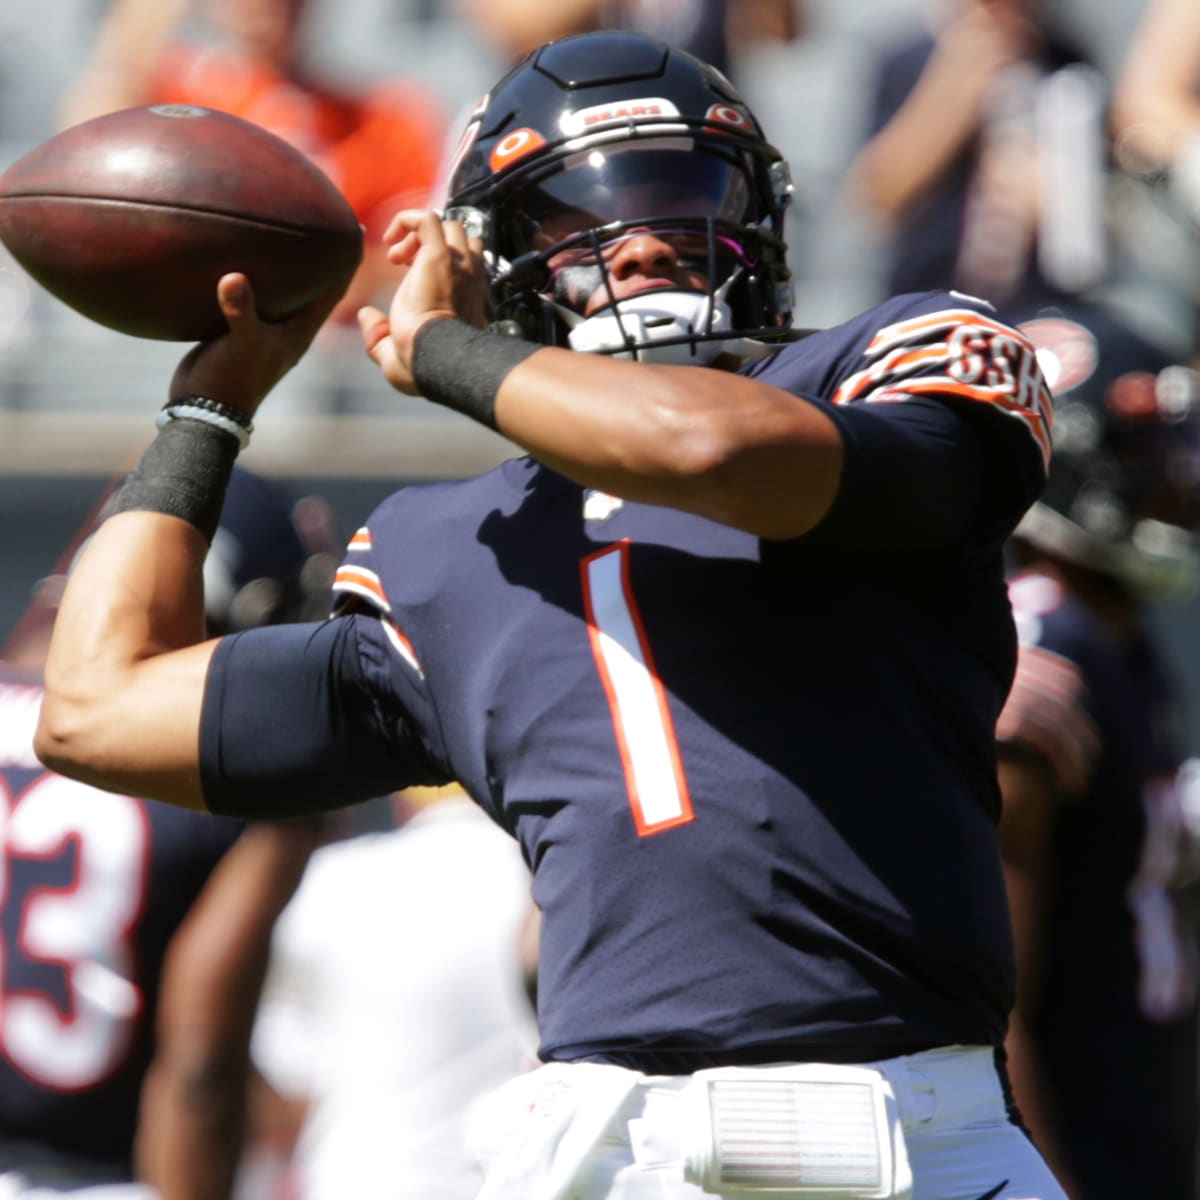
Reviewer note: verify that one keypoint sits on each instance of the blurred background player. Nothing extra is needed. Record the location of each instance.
(395, 997)
(1156, 131)
(135, 935)
(713, 30)
(986, 157)
(380, 144)
(1103, 1040)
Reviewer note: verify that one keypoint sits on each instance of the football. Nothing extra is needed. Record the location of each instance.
(132, 217)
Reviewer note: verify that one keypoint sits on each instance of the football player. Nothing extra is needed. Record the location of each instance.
(724, 650)
(1095, 832)
(135, 933)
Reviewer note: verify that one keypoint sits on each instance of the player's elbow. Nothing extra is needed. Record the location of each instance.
(67, 738)
(57, 741)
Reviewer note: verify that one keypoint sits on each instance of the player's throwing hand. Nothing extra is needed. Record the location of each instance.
(245, 363)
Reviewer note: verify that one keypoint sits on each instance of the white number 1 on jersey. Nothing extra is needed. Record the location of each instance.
(654, 778)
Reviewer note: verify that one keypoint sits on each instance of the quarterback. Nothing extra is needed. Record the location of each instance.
(724, 650)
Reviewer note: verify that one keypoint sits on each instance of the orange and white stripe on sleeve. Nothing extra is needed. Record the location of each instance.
(357, 584)
(959, 353)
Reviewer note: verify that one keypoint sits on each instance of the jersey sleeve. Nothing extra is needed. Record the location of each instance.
(944, 415)
(301, 719)
(358, 587)
(961, 354)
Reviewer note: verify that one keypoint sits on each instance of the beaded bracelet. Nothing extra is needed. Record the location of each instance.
(210, 412)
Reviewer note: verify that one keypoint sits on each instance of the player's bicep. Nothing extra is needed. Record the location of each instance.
(296, 720)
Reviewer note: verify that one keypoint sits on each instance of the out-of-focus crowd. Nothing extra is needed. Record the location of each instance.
(329, 999)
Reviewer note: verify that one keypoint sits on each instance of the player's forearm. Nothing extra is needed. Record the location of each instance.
(193, 1111)
(1156, 107)
(703, 441)
(125, 656)
(192, 1133)
(520, 25)
(914, 149)
(125, 54)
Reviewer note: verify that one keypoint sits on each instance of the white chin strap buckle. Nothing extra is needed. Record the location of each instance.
(652, 318)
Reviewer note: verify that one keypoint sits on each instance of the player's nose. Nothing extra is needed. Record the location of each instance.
(643, 253)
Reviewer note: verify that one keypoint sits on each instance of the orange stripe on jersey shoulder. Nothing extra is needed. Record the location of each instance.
(361, 540)
(361, 582)
(960, 353)
(402, 645)
(944, 318)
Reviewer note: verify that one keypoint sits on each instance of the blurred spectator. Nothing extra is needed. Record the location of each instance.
(986, 158)
(135, 934)
(1156, 129)
(1102, 1043)
(710, 29)
(395, 997)
(380, 144)
(1156, 104)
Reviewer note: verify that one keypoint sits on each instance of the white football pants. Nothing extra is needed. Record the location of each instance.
(588, 1131)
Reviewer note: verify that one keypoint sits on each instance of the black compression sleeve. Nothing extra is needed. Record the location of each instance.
(914, 478)
(289, 726)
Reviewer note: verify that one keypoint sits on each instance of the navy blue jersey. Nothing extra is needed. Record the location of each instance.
(1116, 1012)
(94, 886)
(755, 781)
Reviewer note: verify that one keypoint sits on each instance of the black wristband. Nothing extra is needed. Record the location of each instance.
(184, 473)
(462, 367)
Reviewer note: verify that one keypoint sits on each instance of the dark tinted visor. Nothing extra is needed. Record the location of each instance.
(627, 183)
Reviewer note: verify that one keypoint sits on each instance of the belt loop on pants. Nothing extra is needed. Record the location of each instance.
(949, 1084)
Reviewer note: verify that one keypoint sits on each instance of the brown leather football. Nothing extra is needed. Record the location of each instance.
(131, 218)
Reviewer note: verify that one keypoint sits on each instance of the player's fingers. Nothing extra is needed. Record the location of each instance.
(235, 295)
(401, 253)
(456, 236)
(375, 330)
(381, 349)
(423, 222)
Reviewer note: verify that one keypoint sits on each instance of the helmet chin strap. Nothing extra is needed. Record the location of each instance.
(637, 327)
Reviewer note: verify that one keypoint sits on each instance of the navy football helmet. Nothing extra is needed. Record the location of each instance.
(594, 140)
(1123, 493)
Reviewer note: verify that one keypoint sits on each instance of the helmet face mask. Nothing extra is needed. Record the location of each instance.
(1123, 495)
(574, 155)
